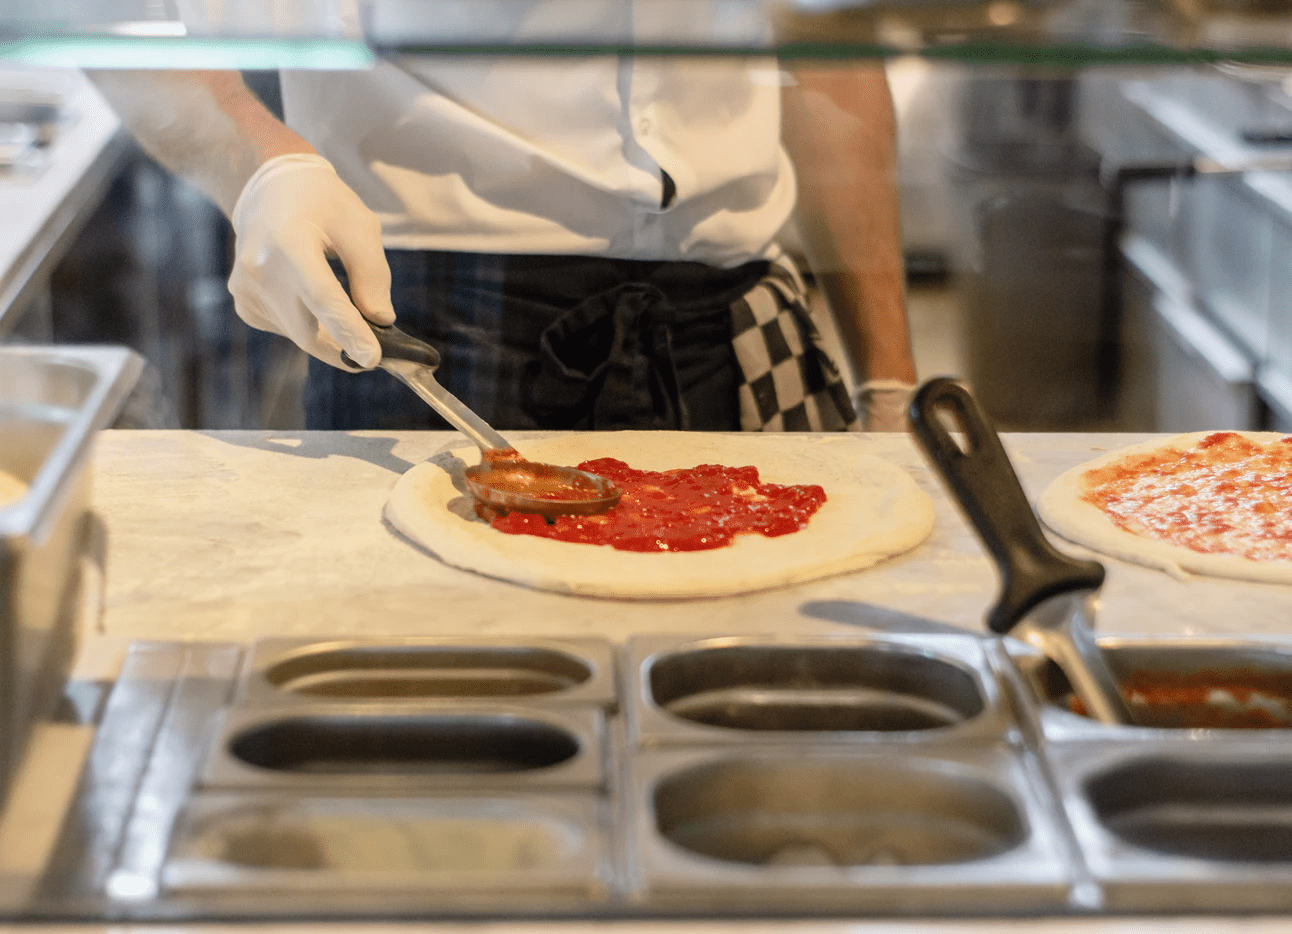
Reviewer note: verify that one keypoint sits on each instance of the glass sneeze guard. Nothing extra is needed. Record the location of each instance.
(333, 34)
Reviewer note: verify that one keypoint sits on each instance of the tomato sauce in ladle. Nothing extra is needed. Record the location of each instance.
(503, 481)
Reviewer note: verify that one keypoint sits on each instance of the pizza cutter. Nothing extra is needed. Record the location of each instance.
(504, 481)
(1047, 598)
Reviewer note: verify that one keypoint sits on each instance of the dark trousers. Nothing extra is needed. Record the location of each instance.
(554, 342)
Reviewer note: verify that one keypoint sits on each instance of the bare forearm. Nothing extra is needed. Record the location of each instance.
(206, 126)
(840, 132)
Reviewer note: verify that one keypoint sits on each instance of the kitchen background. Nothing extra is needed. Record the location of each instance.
(1093, 248)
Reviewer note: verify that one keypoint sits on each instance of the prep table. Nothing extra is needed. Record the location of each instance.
(229, 536)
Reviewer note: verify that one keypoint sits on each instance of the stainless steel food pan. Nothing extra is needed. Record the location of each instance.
(760, 689)
(1182, 826)
(536, 671)
(376, 748)
(430, 854)
(812, 829)
(1221, 688)
(52, 401)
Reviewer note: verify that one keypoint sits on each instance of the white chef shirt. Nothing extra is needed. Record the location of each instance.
(562, 155)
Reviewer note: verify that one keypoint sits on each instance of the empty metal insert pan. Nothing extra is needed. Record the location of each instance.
(744, 689)
(425, 853)
(1182, 827)
(1225, 687)
(53, 401)
(373, 747)
(426, 669)
(809, 829)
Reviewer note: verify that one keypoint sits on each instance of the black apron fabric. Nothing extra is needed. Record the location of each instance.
(554, 342)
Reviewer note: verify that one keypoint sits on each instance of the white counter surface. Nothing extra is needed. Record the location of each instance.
(219, 535)
(232, 535)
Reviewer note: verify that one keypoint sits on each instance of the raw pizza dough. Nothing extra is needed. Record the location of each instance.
(873, 510)
(11, 489)
(1063, 510)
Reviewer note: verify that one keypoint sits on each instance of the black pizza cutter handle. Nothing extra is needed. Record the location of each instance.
(983, 481)
(396, 345)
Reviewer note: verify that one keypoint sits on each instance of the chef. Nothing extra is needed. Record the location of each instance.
(590, 242)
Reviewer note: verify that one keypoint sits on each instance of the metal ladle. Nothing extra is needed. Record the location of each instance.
(503, 480)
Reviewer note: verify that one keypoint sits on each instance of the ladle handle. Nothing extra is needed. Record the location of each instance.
(987, 489)
(396, 345)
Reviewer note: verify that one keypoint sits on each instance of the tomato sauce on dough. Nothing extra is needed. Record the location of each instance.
(1226, 495)
(691, 509)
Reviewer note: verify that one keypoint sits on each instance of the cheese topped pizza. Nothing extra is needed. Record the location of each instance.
(1217, 503)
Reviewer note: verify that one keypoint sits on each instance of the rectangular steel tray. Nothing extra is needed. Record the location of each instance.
(845, 690)
(428, 669)
(818, 828)
(1248, 690)
(53, 401)
(1180, 827)
(410, 748)
(470, 851)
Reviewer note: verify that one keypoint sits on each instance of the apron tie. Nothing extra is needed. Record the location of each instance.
(608, 364)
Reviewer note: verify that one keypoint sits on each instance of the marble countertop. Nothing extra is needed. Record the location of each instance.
(231, 535)
(227, 535)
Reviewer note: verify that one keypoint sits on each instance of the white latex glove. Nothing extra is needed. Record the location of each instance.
(882, 404)
(292, 213)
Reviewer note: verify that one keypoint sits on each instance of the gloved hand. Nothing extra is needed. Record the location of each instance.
(882, 404)
(292, 213)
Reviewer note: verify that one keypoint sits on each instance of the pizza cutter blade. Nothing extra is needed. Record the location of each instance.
(504, 481)
(1047, 598)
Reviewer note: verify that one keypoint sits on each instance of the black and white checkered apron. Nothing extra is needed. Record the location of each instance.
(587, 343)
(788, 381)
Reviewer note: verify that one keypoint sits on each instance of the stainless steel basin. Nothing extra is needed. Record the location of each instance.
(818, 828)
(421, 852)
(367, 837)
(563, 671)
(52, 401)
(435, 745)
(1185, 823)
(813, 688)
(700, 690)
(1220, 811)
(428, 672)
(1225, 686)
(813, 812)
(329, 746)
